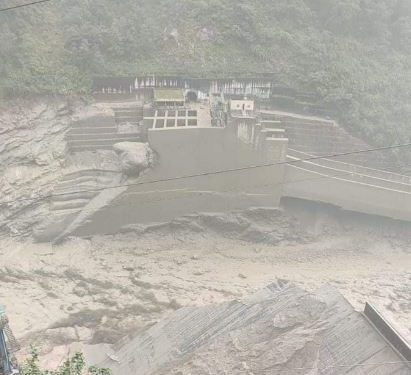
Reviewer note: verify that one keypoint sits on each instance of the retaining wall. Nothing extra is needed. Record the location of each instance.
(98, 133)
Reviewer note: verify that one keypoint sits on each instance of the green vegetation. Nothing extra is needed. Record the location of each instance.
(354, 55)
(72, 366)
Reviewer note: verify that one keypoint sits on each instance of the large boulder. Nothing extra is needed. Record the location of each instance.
(135, 157)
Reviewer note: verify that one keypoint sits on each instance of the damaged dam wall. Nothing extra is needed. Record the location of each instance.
(183, 180)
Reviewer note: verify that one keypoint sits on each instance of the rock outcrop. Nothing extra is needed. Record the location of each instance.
(43, 187)
(135, 157)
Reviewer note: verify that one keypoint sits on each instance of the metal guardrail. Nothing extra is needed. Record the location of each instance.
(389, 332)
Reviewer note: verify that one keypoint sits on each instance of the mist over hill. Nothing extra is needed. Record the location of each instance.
(354, 55)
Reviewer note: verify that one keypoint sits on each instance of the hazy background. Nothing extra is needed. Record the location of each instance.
(352, 55)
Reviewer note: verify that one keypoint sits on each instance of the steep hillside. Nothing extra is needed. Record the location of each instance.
(353, 54)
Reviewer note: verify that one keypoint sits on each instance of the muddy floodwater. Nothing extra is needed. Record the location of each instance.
(100, 289)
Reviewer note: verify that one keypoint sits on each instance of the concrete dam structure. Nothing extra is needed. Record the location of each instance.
(161, 195)
(217, 154)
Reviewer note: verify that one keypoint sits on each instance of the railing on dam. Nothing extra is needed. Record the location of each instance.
(351, 172)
